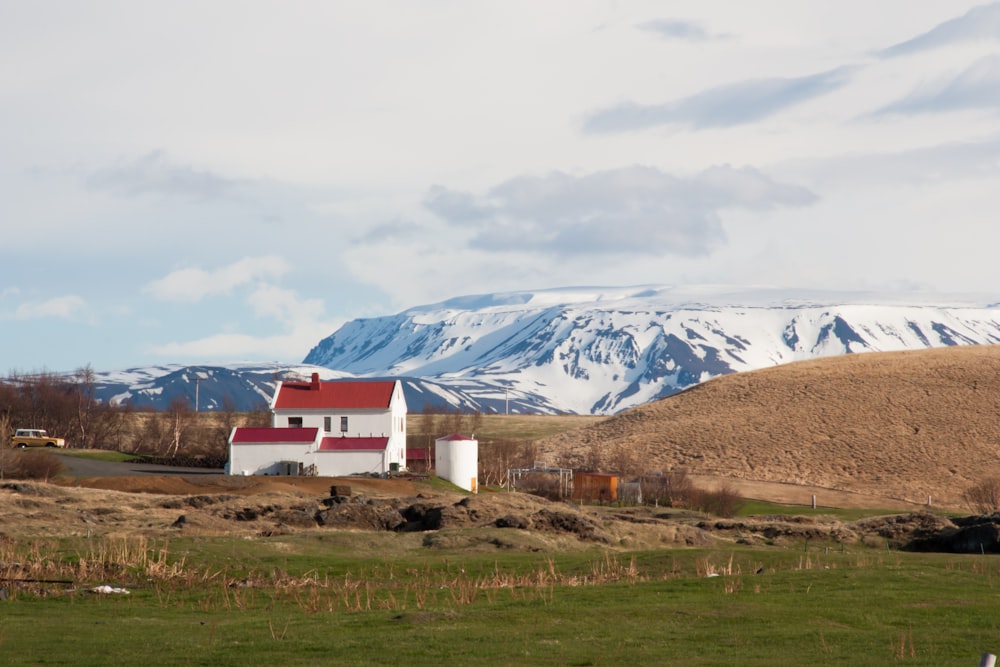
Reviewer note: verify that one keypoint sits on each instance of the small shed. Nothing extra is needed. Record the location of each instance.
(456, 459)
(595, 487)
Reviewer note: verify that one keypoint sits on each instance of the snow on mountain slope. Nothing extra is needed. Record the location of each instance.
(211, 387)
(602, 350)
(249, 386)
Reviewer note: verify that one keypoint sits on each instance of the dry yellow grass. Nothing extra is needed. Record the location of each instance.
(902, 425)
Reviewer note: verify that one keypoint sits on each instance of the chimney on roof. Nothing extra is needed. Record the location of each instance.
(315, 382)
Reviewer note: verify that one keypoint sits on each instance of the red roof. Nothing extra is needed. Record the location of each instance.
(332, 395)
(266, 435)
(352, 444)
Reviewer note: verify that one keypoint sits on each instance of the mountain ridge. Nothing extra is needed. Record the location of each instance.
(582, 350)
(603, 350)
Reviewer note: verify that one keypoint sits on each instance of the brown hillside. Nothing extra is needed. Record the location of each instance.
(904, 425)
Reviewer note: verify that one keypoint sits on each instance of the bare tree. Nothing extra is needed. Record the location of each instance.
(44, 400)
(475, 421)
(85, 403)
(625, 460)
(227, 419)
(224, 421)
(5, 434)
(673, 489)
(498, 457)
(593, 460)
(120, 424)
(178, 413)
(103, 424)
(453, 421)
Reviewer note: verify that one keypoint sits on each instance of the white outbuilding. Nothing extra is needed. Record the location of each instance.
(456, 459)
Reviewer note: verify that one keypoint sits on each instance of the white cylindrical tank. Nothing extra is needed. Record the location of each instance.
(456, 459)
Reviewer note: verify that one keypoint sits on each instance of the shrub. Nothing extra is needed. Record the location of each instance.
(671, 489)
(30, 465)
(984, 497)
(724, 501)
(545, 485)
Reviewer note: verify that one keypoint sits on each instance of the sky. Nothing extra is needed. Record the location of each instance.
(216, 181)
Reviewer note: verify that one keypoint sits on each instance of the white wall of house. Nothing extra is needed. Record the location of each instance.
(384, 422)
(342, 463)
(395, 452)
(359, 422)
(265, 458)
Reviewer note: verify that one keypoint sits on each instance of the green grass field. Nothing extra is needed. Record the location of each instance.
(384, 599)
(330, 597)
(99, 455)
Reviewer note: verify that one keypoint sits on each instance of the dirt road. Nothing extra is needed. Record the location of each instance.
(76, 466)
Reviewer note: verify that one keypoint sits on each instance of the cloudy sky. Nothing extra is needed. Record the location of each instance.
(194, 181)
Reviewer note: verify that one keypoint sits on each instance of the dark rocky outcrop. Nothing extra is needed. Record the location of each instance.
(972, 534)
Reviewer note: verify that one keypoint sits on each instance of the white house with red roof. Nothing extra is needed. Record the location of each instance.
(330, 429)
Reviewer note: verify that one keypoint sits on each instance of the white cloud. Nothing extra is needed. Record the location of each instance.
(303, 323)
(63, 308)
(635, 210)
(976, 87)
(953, 162)
(194, 284)
(979, 23)
(292, 345)
(723, 106)
(284, 305)
(155, 173)
(222, 346)
(679, 29)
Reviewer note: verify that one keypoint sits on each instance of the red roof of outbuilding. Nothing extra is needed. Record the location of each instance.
(265, 435)
(339, 394)
(352, 444)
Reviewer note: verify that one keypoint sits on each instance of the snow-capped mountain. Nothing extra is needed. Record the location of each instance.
(602, 350)
(598, 350)
(248, 386)
(242, 387)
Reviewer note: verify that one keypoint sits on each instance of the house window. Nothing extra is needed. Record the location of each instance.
(327, 424)
(295, 422)
(343, 424)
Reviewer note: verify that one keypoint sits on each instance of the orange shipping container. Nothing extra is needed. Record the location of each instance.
(594, 486)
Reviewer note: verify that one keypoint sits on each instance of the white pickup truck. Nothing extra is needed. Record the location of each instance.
(35, 437)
